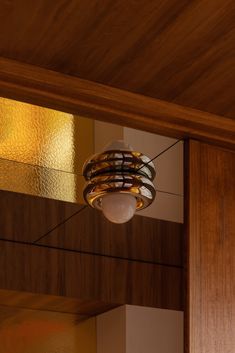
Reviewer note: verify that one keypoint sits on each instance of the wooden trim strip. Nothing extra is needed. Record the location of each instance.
(71, 94)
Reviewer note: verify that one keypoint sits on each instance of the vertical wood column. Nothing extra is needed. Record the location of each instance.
(210, 223)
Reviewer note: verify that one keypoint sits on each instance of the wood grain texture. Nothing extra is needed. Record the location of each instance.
(178, 51)
(211, 249)
(26, 300)
(85, 98)
(61, 224)
(27, 218)
(142, 238)
(38, 270)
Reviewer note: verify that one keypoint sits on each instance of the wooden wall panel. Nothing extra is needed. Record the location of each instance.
(78, 227)
(27, 218)
(143, 238)
(83, 263)
(40, 270)
(210, 212)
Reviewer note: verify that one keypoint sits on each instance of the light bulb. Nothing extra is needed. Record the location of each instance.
(118, 208)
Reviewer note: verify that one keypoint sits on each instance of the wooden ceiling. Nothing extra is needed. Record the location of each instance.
(175, 50)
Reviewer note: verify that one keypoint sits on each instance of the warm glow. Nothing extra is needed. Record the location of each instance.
(118, 208)
(48, 144)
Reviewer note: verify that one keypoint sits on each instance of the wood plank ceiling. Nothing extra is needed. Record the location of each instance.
(178, 51)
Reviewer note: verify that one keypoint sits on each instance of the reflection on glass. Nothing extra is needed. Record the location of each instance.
(40, 181)
(51, 147)
(43, 137)
(48, 148)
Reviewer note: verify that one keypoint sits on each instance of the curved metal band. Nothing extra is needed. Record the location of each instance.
(137, 185)
(119, 161)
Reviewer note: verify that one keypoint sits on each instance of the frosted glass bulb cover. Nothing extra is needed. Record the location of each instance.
(118, 208)
(119, 145)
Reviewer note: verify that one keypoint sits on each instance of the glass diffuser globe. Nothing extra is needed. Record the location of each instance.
(118, 207)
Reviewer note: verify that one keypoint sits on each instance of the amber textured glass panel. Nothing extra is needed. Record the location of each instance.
(28, 331)
(40, 181)
(42, 150)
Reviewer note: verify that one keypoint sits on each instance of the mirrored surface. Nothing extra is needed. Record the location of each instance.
(42, 152)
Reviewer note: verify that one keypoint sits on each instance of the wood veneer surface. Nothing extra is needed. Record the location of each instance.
(27, 218)
(178, 51)
(211, 248)
(83, 263)
(39, 270)
(143, 238)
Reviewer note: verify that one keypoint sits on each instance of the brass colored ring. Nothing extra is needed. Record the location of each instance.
(137, 185)
(119, 161)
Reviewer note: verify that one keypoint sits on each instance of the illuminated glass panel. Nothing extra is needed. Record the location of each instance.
(42, 150)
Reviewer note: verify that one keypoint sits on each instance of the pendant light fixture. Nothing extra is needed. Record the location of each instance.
(119, 182)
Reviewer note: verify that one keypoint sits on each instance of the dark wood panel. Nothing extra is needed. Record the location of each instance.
(211, 249)
(182, 51)
(142, 238)
(83, 308)
(35, 269)
(27, 218)
(70, 94)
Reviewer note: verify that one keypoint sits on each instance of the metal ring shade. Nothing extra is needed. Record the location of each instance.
(121, 161)
(136, 185)
(125, 172)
